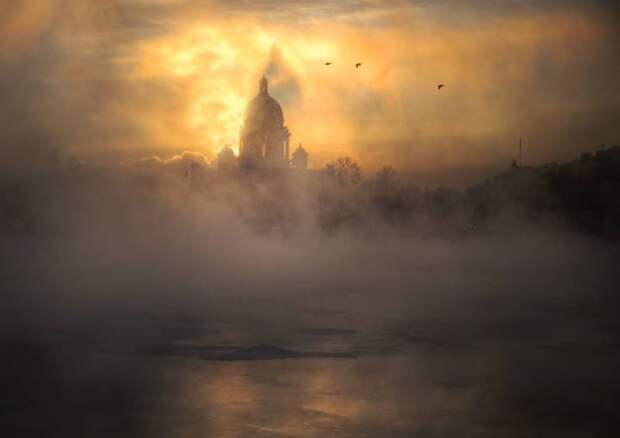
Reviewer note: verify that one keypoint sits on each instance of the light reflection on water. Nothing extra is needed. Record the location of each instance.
(420, 386)
(307, 397)
(337, 373)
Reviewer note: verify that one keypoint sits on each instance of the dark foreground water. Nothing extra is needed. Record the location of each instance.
(440, 340)
(320, 372)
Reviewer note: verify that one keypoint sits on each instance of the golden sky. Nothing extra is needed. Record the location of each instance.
(107, 80)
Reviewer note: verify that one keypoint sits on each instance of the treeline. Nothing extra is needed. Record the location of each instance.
(583, 193)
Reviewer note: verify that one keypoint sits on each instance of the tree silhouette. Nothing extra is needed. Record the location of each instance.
(387, 179)
(345, 170)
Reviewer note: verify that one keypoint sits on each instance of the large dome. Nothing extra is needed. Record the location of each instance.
(264, 138)
(263, 112)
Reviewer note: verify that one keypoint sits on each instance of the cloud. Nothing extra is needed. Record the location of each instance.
(101, 260)
(182, 160)
(111, 81)
(283, 82)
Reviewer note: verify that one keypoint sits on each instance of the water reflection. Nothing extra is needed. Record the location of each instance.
(490, 386)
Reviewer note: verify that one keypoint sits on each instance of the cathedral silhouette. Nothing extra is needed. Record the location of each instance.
(264, 139)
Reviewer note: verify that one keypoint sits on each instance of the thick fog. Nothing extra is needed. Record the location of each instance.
(109, 273)
(144, 296)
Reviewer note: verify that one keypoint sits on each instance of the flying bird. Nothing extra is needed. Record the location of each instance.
(440, 86)
(328, 63)
(357, 65)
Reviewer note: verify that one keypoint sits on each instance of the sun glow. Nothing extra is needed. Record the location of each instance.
(218, 68)
(385, 112)
(212, 67)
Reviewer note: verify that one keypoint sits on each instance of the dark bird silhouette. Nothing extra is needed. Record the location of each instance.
(328, 63)
(440, 86)
(357, 65)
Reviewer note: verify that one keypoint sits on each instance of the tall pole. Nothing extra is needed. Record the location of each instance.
(520, 152)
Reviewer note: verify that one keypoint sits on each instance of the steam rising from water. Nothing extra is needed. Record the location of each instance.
(138, 301)
(141, 301)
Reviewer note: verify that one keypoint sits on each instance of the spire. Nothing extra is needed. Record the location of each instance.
(264, 89)
(300, 150)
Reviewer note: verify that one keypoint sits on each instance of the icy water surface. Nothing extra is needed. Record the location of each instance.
(469, 347)
(328, 372)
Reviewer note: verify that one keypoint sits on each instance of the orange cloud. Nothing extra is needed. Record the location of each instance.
(391, 99)
(137, 78)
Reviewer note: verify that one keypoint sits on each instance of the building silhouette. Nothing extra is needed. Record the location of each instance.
(227, 160)
(300, 159)
(264, 139)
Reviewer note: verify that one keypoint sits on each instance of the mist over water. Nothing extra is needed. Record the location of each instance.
(145, 294)
(143, 303)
